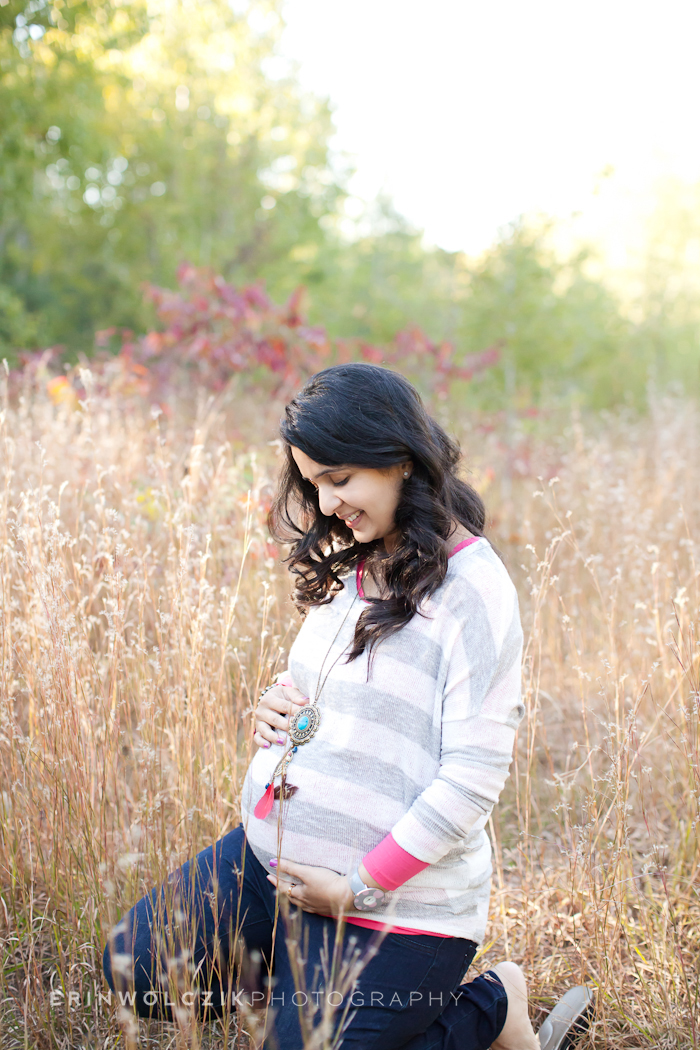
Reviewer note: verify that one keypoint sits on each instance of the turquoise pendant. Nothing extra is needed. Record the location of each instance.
(304, 724)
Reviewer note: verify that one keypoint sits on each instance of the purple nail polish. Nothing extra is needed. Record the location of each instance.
(266, 744)
(273, 863)
(280, 740)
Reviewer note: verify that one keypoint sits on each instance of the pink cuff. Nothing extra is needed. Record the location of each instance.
(285, 679)
(390, 865)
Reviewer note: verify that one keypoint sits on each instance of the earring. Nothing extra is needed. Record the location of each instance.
(405, 473)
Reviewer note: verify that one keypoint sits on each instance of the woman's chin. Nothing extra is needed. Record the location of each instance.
(366, 534)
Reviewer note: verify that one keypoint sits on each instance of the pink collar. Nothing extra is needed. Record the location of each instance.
(361, 565)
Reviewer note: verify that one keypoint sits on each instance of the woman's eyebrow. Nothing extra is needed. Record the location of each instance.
(331, 470)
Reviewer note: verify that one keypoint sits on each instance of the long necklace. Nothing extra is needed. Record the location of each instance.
(302, 727)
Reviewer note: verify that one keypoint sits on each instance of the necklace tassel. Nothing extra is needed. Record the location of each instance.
(265, 804)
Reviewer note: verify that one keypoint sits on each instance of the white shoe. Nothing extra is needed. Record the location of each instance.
(569, 1018)
(517, 1033)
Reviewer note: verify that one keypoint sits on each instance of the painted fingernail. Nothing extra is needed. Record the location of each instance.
(280, 739)
(266, 744)
(273, 863)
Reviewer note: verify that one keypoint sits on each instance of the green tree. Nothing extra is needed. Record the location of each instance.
(562, 331)
(138, 134)
(664, 299)
(374, 275)
(141, 135)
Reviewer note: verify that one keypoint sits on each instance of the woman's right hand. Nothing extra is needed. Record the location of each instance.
(273, 711)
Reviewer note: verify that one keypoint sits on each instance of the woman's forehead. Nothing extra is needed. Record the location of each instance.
(310, 468)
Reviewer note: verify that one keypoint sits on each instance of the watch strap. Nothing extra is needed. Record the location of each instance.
(356, 883)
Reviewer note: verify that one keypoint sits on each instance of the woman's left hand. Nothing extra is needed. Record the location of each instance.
(318, 890)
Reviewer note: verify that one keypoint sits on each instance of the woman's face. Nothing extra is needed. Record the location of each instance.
(365, 498)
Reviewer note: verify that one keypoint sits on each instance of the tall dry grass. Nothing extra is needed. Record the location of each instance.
(143, 608)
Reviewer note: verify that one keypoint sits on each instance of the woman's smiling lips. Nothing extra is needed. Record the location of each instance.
(352, 519)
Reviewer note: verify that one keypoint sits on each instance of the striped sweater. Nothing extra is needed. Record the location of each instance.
(421, 748)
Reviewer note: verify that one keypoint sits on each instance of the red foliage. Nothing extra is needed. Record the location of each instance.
(214, 330)
(412, 350)
(211, 331)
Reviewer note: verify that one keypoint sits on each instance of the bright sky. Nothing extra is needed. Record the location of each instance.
(471, 113)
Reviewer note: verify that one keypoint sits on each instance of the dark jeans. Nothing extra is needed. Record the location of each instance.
(217, 918)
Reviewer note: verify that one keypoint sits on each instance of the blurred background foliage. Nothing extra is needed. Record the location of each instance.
(137, 135)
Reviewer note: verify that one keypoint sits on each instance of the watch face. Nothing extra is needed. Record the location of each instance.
(368, 899)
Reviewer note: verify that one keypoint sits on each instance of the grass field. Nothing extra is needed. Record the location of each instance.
(143, 608)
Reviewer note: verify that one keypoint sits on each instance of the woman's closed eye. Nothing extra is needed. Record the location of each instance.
(335, 484)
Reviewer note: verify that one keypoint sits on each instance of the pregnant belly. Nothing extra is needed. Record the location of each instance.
(326, 822)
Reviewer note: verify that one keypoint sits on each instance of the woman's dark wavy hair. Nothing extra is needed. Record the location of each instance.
(367, 416)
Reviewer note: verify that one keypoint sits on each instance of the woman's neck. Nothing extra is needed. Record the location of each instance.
(458, 535)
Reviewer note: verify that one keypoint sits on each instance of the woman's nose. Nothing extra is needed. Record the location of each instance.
(328, 501)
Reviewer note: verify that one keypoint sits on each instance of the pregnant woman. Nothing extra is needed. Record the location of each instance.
(382, 751)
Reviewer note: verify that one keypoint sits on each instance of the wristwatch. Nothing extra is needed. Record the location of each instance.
(366, 897)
